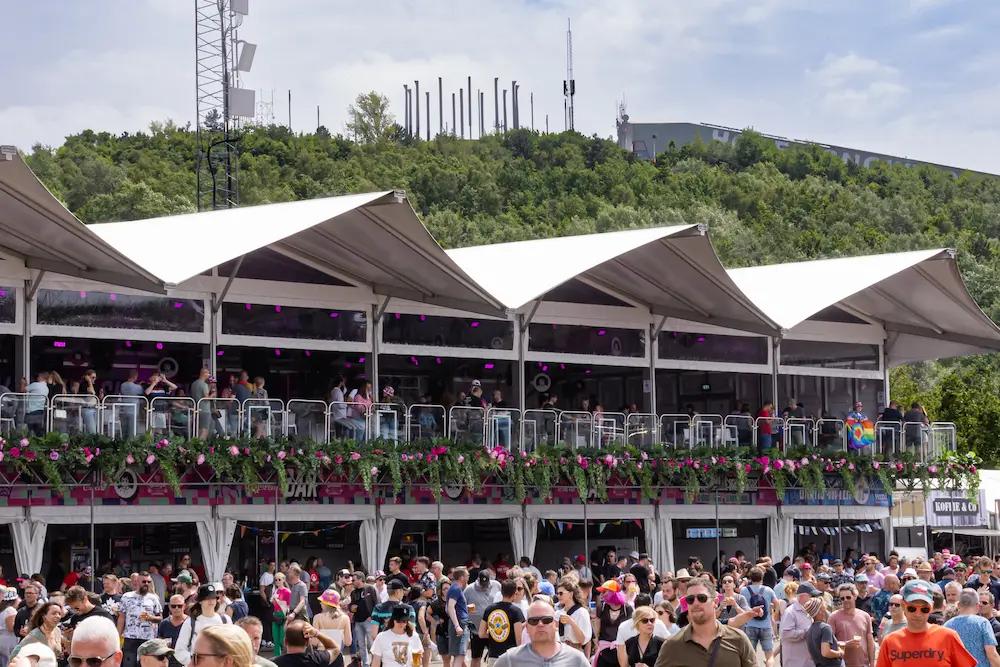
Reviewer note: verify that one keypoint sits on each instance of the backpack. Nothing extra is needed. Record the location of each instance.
(758, 600)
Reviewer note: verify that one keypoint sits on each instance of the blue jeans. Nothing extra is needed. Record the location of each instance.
(362, 641)
(762, 636)
(90, 421)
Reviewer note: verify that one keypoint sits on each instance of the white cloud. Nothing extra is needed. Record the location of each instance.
(838, 70)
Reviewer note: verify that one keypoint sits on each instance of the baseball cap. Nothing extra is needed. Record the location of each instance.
(580, 559)
(477, 383)
(610, 586)
(909, 572)
(9, 594)
(183, 577)
(837, 562)
(155, 647)
(861, 579)
(379, 574)
(396, 585)
(546, 587)
(635, 554)
(793, 572)
(207, 591)
(806, 587)
(401, 612)
(823, 576)
(484, 578)
(918, 591)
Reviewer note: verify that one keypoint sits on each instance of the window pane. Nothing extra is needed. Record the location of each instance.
(448, 331)
(574, 339)
(120, 311)
(8, 304)
(817, 354)
(712, 347)
(252, 319)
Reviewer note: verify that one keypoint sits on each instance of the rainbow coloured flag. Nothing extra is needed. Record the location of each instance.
(860, 433)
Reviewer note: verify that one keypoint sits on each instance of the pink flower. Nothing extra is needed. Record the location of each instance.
(268, 459)
(150, 459)
(876, 464)
(164, 442)
(932, 469)
(747, 467)
(374, 471)
(355, 456)
(211, 450)
(644, 456)
(403, 457)
(129, 459)
(234, 450)
(282, 455)
(30, 455)
(246, 451)
(326, 460)
(24, 442)
(201, 459)
(899, 467)
(89, 458)
(696, 465)
(829, 468)
(850, 466)
(339, 459)
(54, 455)
(805, 461)
(584, 463)
(461, 459)
(779, 464)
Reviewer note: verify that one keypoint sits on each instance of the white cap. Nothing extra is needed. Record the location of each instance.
(635, 554)
(45, 656)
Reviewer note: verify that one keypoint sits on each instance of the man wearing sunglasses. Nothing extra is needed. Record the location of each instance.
(920, 643)
(983, 579)
(96, 643)
(543, 648)
(706, 642)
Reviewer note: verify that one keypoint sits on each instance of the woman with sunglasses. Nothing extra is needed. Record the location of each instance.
(222, 646)
(204, 614)
(44, 629)
(281, 602)
(731, 602)
(612, 611)
(665, 614)
(421, 603)
(438, 616)
(573, 614)
(642, 649)
(630, 587)
(399, 646)
(333, 622)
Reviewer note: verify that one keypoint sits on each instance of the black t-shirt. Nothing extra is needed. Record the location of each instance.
(169, 632)
(22, 618)
(307, 659)
(500, 619)
(641, 574)
(400, 577)
(892, 415)
(610, 571)
(365, 600)
(96, 611)
(820, 633)
(770, 577)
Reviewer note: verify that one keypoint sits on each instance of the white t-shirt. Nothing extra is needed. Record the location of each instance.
(132, 604)
(626, 630)
(185, 640)
(266, 579)
(396, 650)
(582, 618)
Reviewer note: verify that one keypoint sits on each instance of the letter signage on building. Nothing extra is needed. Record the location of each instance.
(944, 509)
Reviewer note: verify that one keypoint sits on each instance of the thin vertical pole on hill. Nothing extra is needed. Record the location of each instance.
(93, 543)
(440, 537)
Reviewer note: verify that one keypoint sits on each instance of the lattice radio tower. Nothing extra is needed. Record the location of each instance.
(220, 57)
(569, 85)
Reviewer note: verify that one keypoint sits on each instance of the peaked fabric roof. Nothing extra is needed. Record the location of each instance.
(673, 271)
(919, 298)
(373, 240)
(37, 229)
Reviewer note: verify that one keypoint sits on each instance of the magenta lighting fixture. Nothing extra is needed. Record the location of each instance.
(545, 369)
(59, 343)
(361, 360)
(178, 304)
(423, 318)
(128, 343)
(83, 295)
(438, 360)
(361, 377)
(415, 361)
(601, 332)
(277, 309)
(488, 367)
(474, 325)
(248, 306)
(113, 297)
(347, 365)
(554, 326)
(397, 316)
(701, 339)
(159, 346)
(3, 292)
(334, 314)
(562, 366)
(587, 371)
(277, 353)
(308, 353)
(220, 353)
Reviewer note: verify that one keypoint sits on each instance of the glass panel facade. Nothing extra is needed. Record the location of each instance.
(575, 339)
(817, 354)
(252, 319)
(8, 304)
(448, 331)
(712, 347)
(120, 311)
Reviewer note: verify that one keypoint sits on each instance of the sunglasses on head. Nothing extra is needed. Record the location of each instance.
(544, 620)
(78, 661)
(913, 609)
(700, 597)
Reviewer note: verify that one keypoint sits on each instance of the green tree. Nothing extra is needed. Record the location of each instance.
(370, 120)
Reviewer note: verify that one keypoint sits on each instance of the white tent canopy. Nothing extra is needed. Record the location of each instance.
(918, 297)
(35, 228)
(672, 271)
(372, 240)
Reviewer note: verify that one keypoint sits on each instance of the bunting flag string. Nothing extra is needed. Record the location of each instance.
(837, 530)
(285, 534)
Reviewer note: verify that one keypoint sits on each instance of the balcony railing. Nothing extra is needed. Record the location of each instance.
(509, 428)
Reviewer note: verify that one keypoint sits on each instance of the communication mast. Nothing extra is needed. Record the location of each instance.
(569, 84)
(220, 102)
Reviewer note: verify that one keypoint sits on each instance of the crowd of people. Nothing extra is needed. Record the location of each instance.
(811, 611)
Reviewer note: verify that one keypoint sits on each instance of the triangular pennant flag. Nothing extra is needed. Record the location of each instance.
(284, 536)
(569, 526)
(559, 525)
(243, 531)
(638, 522)
(601, 527)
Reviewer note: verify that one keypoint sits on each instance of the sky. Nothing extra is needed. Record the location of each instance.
(913, 78)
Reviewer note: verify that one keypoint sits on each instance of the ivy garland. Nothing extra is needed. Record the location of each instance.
(440, 462)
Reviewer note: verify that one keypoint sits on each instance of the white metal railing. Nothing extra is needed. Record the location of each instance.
(539, 428)
(503, 426)
(74, 413)
(738, 431)
(467, 423)
(830, 434)
(306, 419)
(640, 429)
(124, 416)
(768, 432)
(675, 430)
(173, 416)
(347, 421)
(576, 428)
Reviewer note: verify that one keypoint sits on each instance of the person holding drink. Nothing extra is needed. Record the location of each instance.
(139, 616)
(399, 646)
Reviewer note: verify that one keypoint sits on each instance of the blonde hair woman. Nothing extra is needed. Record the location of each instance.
(222, 646)
(332, 621)
(643, 648)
